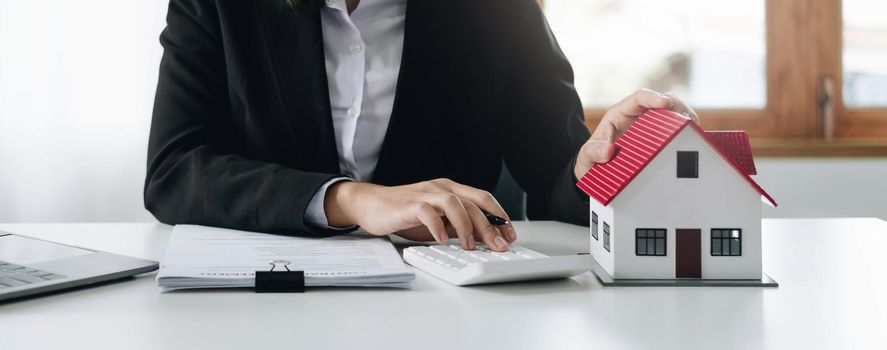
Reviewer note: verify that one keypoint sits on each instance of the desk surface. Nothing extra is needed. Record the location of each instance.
(832, 294)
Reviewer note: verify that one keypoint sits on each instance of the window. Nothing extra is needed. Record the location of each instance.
(606, 236)
(594, 225)
(678, 46)
(865, 51)
(802, 77)
(649, 241)
(688, 164)
(726, 242)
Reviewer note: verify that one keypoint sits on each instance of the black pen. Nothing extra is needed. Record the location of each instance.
(495, 220)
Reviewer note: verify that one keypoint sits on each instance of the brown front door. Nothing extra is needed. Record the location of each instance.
(688, 253)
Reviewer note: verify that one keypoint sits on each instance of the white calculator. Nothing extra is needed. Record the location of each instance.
(466, 267)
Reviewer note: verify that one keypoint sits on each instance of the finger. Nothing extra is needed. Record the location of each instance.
(432, 220)
(456, 215)
(487, 203)
(605, 131)
(623, 113)
(481, 198)
(484, 230)
(451, 231)
(597, 151)
(417, 233)
(640, 101)
(683, 108)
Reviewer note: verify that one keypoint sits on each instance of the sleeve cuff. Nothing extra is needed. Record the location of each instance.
(315, 214)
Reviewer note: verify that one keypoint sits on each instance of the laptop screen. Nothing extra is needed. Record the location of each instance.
(23, 250)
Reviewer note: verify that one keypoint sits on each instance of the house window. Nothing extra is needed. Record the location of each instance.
(726, 242)
(688, 164)
(606, 236)
(649, 242)
(594, 225)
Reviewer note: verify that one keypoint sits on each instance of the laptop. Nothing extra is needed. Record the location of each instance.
(31, 266)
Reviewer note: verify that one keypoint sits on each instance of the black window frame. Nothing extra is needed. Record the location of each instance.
(606, 236)
(725, 241)
(682, 171)
(594, 225)
(651, 235)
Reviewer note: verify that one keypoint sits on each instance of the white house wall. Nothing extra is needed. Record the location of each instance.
(601, 255)
(719, 198)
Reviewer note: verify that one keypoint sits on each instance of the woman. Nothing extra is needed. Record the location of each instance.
(315, 117)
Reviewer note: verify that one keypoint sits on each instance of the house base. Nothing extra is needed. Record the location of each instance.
(608, 281)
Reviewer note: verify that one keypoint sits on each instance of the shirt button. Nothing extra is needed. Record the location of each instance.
(355, 48)
(352, 112)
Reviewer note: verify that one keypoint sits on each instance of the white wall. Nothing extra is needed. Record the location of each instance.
(602, 256)
(77, 82)
(827, 187)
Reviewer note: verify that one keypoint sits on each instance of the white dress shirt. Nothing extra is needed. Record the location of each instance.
(363, 53)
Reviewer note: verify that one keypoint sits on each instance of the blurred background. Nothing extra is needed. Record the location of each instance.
(806, 78)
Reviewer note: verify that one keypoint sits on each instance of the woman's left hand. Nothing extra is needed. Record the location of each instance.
(600, 147)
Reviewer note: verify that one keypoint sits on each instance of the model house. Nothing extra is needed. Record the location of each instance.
(676, 203)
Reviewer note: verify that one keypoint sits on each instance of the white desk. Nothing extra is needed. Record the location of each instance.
(832, 294)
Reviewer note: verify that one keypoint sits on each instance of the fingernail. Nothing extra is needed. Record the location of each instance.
(442, 237)
(500, 243)
(470, 242)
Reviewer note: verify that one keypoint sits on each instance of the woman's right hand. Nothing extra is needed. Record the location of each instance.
(436, 209)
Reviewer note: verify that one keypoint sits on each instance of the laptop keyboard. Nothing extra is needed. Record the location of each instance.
(12, 275)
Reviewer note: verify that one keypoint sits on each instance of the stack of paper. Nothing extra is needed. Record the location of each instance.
(209, 257)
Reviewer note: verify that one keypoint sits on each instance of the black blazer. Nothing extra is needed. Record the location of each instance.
(242, 135)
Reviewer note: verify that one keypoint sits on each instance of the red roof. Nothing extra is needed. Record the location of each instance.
(646, 137)
(735, 145)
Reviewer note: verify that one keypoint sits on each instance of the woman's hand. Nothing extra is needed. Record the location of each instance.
(436, 209)
(600, 147)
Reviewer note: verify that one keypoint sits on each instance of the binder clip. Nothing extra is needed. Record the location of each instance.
(280, 281)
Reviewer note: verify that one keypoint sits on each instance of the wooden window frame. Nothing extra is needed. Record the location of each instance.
(804, 45)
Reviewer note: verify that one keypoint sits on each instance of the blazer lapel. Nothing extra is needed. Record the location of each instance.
(294, 39)
(417, 98)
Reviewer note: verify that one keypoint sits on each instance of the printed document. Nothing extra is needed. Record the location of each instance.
(209, 257)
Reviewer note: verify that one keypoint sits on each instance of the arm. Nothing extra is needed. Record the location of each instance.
(549, 146)
(195, 174)
(544, 120)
